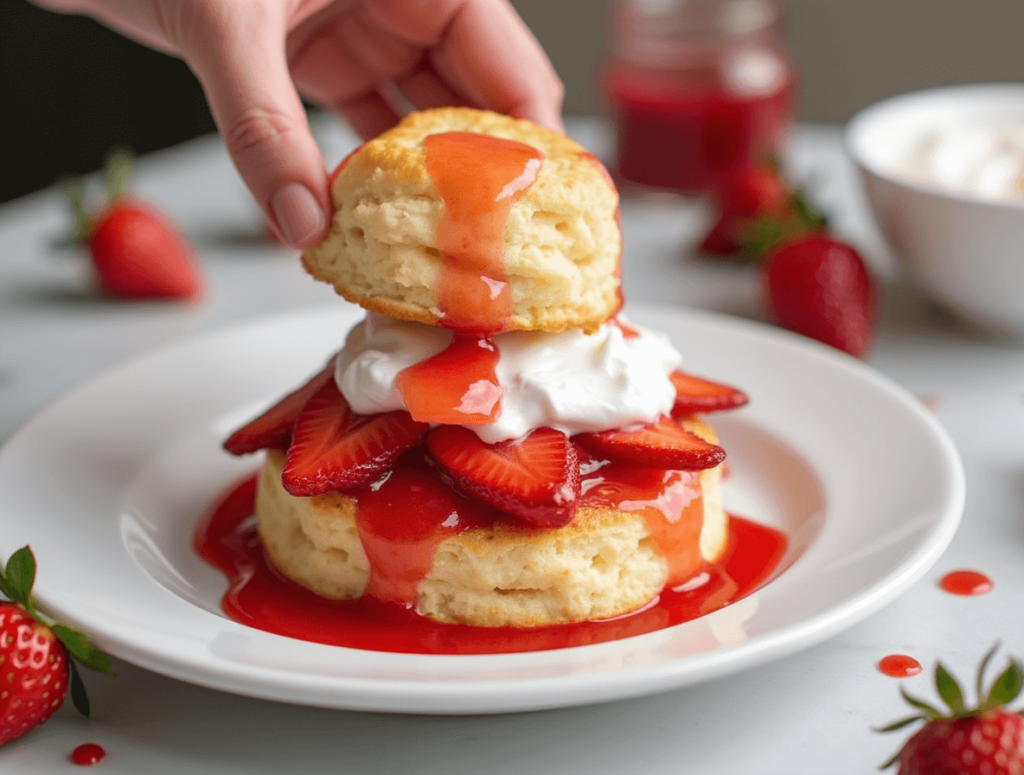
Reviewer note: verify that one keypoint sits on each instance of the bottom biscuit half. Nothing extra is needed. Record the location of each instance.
(605, 563)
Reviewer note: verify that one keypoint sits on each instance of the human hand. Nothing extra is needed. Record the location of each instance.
(357, 57)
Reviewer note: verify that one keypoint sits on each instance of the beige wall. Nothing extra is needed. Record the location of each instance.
(851, 52)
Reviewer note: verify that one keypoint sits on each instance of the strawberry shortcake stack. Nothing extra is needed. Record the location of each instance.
(494, 445)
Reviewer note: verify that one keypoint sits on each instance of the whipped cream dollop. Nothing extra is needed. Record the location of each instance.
(984, 158)
(570, 381)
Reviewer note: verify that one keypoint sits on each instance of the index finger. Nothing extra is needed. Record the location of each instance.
(485, 52)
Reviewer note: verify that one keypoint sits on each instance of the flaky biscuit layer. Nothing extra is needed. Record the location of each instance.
(562, 238)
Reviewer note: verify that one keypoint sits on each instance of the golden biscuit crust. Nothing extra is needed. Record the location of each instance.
(562, 238)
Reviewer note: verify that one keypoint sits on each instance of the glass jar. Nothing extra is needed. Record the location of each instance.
(698, 90)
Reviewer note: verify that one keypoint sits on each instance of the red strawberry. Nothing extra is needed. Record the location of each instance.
(696, 395)
(819, 287)
(38, 656)
(136, 251)
(138, 254)
(659, 445)
(986, 740)
(755, 192)
(333, 448)
(40, 672)
(273, 428)
(535, 478)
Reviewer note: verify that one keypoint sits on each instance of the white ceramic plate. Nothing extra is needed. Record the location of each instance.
(107, 485)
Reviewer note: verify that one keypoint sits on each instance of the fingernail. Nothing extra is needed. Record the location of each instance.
(299, 216)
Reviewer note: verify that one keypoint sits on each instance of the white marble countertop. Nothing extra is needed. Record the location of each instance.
(811, 713)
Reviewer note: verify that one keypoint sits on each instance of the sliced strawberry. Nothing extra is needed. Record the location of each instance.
(535, 478)
(273, 428)
(333, 448)
(695, 395)
(660, 445)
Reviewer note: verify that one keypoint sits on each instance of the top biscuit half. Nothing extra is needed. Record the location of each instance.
(562, 242)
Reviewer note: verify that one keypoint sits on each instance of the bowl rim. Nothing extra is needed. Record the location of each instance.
(869, 115)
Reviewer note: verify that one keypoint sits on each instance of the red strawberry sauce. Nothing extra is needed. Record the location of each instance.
(692, 135)
(479, 178)
(458, 386)
(87, 754)
(966, 582)
(260, 597)
(899, 665)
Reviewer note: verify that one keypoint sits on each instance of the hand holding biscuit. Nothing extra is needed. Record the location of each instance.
(357, 57)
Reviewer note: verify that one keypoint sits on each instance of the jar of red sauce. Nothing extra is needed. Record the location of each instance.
(698, 90)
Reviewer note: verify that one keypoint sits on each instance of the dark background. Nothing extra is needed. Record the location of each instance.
(71, 90)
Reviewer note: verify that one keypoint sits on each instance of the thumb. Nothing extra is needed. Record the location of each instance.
(238, 54)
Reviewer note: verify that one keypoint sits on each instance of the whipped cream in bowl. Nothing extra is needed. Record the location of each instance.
(943, 170)
(983, 156)
(570, 381)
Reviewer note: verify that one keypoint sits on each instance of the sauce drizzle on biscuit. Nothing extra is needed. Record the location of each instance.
(479, 179)
(669, 501)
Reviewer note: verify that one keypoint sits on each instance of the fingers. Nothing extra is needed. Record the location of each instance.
(482, 51)
(424, 88)
(237, 52)
(492, 57)
(369, 114)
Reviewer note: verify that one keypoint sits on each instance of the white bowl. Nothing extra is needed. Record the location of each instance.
(966, 249)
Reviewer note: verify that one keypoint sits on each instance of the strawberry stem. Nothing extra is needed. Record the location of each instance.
(903, 722)
(75, 194)
(19, 576)
(79, 696)
(1005, 688)
(949, 690)
(983, 667)
(928, 711)
(119, 174)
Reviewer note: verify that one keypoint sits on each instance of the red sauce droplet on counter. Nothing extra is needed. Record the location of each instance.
(458, 386)
(899, 665)
(260, 597)
(966, 582)
(479, 178)
(87, 754)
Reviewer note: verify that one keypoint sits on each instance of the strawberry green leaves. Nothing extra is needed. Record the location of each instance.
(17, 579)
(16, 582)
(932, 742)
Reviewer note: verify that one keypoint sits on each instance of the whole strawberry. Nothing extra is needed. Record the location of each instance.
(750, 195)
(818, 286)
(38, 655)
(985, 740)
(136, 252)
